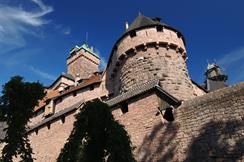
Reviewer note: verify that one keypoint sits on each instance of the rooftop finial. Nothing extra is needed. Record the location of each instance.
(139, 13)
(86, 38)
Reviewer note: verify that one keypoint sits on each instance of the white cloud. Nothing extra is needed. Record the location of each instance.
(232, 63)
(103, 62)
(19, 58)
(40, 73)
(15, 21)
(66, 31)
(63, 29)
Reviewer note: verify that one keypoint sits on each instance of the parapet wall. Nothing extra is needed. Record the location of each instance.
(207, 128)
(211, 126)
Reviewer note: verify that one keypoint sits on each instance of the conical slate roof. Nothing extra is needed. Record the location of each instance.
(143, 21)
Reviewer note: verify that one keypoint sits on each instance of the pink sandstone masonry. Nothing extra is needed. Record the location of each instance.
(208, 128)
(47, 142)
(82, 63)
(151, 54)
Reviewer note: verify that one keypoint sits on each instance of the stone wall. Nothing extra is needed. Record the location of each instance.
(212, 127)
(48, 142)
(207, 128)
(162, 63)
(83, 63)
(151, 135)
(139, 118)
(84, 94)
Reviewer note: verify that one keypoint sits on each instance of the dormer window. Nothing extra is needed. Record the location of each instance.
(159, 28)
(132, 33)
(178, 35)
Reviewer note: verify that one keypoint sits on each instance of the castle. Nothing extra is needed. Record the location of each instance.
(146, 83)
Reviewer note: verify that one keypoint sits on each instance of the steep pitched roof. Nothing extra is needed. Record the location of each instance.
(87, 82)
(143, 21)
(141, 89)
(67, 76)
(86, 48)
(57, 115)
(51, 94)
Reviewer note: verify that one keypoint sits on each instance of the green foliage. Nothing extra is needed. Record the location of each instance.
(97, 137)
(16, 104)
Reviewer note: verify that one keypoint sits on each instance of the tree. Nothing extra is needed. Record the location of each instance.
(97, 137)
(16, 104)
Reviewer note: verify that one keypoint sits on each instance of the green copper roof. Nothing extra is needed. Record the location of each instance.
(85, 47)
(76, 48)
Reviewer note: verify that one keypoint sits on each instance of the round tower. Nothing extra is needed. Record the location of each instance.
(150, 50)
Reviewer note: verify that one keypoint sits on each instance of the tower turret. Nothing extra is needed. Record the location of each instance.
(215, 78)
(82, 61)
(147, 50)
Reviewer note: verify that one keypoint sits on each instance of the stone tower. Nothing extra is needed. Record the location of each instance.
(147, 50)
(215, 78)
(82, 62)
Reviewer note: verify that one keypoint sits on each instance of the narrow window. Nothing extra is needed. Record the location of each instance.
(74, 93)
(48, 126)
(132, 33)
(36, 131)
(63, 119)
(159, 28)
(124, 108)
(168, 114)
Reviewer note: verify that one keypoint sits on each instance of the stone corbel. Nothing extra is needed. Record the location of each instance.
(134, 50)
(167, 46)
(177, 49)
(157, 45)
(145, 46)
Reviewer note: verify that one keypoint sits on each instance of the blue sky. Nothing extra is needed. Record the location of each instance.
(36, 35)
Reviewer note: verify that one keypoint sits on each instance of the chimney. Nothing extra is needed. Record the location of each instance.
(157, 19)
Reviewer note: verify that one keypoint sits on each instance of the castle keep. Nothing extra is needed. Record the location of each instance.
(146, 83)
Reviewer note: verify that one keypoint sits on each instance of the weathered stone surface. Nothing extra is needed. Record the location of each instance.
(83, 64)
(152, 60)
(206, 128)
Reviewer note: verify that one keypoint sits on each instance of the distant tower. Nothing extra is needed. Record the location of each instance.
(82, 62)
(215, 78)
(150, 50)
